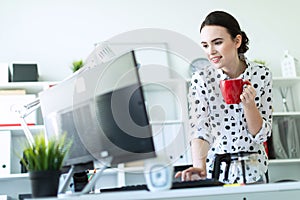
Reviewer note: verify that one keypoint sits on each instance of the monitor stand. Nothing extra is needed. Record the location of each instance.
(88, 188)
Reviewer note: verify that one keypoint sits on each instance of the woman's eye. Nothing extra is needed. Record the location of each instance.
(204, 45)
(218, 42)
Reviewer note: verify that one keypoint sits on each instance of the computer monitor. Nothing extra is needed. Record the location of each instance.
(112, 124)
(102, 109)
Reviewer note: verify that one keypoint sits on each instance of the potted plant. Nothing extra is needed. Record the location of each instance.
(44, 160)
(76, 65)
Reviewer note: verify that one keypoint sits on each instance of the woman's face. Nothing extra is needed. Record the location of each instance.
(220, 48)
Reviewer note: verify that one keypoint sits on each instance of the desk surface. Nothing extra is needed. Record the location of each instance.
(290, 190)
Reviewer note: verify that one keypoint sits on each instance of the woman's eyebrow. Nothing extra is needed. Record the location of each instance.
(216, 39)
(212, 40)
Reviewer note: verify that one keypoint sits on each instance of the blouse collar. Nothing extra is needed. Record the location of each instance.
(224, 76)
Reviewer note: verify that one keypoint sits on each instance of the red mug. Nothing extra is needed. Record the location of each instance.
(232, 89)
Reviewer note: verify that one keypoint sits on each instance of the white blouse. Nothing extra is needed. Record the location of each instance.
(224, 126)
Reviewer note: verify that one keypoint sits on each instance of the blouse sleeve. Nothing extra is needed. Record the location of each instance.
(199, 110)
(265, 109)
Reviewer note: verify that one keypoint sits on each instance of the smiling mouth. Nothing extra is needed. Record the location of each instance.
(216, 59)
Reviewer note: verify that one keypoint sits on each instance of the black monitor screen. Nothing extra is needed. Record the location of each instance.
(69, 123)
(122, 116)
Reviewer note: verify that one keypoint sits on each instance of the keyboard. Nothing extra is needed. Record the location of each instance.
(175, 185)
(125, 188)
(195, 184)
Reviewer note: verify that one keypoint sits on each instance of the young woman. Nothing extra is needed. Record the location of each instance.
(220, 128)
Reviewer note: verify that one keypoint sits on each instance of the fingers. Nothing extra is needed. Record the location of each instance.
(186, 175)
(178, 174)
(249, 91)
(248, 94)
(191, 174)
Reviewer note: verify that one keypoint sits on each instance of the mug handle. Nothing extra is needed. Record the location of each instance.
(246, 82)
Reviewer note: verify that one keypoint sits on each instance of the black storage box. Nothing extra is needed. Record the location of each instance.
(23, 72)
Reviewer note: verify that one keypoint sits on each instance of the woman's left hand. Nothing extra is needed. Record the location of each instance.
(248, 96)
(251, 111)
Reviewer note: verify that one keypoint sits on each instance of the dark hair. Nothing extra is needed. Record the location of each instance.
(221, 18)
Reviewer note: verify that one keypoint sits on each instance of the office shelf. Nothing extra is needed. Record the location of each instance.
(17, 128)
(285, 82)
(30, 87)
(283, 161)
(13, 176)
(18, 138)
(283, 114)
(18, 131)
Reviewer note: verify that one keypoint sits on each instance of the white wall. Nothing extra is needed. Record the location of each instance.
(54, 33)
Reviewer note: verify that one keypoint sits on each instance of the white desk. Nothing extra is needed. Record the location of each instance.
(274, 191)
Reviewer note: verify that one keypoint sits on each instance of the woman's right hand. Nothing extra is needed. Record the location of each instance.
(191, 174)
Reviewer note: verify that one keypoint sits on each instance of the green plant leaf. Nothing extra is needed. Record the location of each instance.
(258, 61)
(77, 64)
(46, 155)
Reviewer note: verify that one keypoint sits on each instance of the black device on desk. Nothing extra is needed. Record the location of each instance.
(176, 184)
(102, 110)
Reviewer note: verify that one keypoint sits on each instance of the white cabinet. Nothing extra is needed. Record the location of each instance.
(286, 118)
(284, 145)
(17, 139)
